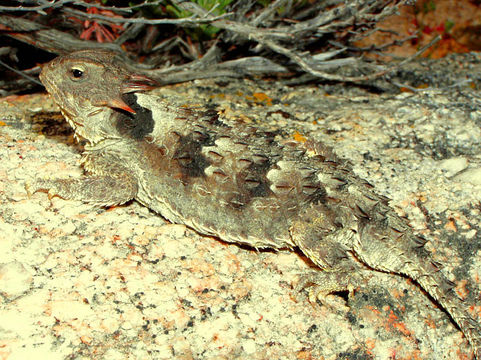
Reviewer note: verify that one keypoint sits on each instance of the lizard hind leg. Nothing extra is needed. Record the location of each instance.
(326, 248)
(346, 276)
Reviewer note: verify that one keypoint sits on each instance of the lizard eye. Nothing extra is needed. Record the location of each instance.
(76, 73)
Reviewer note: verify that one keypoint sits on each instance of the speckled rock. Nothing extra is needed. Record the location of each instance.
(123, 283)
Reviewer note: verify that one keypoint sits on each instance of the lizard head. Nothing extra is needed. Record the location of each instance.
(86, 82)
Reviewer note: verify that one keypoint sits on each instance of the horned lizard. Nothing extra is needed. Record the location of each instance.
(232, 181)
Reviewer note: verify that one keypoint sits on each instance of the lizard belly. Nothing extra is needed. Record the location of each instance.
(261, 224)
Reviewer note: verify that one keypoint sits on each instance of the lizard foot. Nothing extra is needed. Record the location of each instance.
(46, 185)
(322, 283)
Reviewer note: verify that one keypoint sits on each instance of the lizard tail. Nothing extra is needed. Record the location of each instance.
(386, 249)
(442, 290)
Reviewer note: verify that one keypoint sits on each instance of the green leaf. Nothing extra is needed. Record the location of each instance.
(448, 25)
(203, 30)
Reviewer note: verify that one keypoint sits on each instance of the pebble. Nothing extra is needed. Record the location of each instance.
(454, 165)
(472, 176)
(15, 279)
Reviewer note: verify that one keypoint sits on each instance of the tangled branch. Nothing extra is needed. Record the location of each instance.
(243, 39)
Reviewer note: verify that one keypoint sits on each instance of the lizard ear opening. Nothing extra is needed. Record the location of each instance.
(137, 82)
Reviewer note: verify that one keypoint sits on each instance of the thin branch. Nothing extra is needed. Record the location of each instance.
(59, 3)
(130, 32)
(166, 44)
(188, 21)
(210, 57)
(248, 66)
(51, 40)
(268, 12)
(316, 8)
(127, 9)
(380, 48)
(442, 89)
(309, 69)
(216, 21)
(39, 8)
(21, 73)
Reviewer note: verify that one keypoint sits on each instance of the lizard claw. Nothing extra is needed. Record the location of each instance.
(51, 193)
(31, 187)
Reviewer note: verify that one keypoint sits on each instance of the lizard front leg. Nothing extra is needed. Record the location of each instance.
(109, 185)
(104, 191)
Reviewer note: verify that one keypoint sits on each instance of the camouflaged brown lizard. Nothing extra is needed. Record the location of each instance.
(232, 181)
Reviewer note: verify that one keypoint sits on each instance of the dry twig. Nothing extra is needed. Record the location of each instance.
(315, 39)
